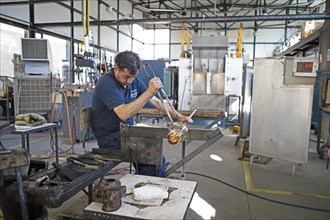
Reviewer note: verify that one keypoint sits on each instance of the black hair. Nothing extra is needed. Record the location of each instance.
(128, 60)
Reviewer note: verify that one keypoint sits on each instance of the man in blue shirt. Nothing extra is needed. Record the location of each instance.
(118, 96)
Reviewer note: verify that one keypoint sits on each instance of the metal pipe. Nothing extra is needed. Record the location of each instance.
(192, 114)
(159, 95)
(183, 154)
(226, 19)
(196, 19)
(32, 33)
(164, 94)
(215, 8)
(22, 198)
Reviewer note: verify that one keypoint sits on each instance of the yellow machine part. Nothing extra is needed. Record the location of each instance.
(239, 45)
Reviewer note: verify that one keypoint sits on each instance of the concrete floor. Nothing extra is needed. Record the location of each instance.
(217, 196)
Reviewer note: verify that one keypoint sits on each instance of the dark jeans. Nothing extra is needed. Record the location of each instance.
(111, 142)
(149, 170)
(145, 169)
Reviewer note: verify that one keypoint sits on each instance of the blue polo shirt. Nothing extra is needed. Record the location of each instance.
(109, 94)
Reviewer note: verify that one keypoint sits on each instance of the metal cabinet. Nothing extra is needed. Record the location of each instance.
(281, 114)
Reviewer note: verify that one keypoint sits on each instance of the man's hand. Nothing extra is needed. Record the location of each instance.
(186, 119)
(154, 85)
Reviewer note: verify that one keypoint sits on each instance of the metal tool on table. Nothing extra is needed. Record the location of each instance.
(66, 172)
(86, 162)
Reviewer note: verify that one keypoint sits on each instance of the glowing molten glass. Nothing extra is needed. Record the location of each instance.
(174, 137)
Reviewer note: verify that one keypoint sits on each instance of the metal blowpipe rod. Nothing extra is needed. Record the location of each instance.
(192, 114)
(165, 106)
(166, 97)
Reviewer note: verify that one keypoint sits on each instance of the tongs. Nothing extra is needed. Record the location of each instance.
(164, 95)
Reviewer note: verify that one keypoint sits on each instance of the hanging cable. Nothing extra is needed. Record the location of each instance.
(69, 124)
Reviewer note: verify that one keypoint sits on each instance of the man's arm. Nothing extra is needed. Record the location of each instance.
(157, 103)
(126, 111)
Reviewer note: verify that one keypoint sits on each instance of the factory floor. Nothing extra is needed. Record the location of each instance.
(228, 187)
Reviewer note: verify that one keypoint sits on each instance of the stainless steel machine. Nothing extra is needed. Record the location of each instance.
(281, 109)
(211, 80)
(208, 72)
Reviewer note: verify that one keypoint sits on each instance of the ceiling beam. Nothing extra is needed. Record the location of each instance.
(250, 6)
(194, 19)
(278, 27)
(28, 2)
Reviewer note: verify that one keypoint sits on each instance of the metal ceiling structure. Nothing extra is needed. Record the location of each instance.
(203, 14)
(224, 14)
(196, 19)
(197, 15)
(215, 15)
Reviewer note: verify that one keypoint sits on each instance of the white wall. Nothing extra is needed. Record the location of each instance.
(138, 47)
(138, 32)
(51, 12)
(124, 43)
(175, 51)
(176, 36)
(20, 12)
(109, 38)
(10, 43)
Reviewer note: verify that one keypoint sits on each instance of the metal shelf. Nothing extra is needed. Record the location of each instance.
(303, 45)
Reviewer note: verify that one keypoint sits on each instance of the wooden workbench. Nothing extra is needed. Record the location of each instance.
(175, 207)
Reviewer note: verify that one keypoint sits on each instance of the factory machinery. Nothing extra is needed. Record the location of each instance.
(211, 80)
